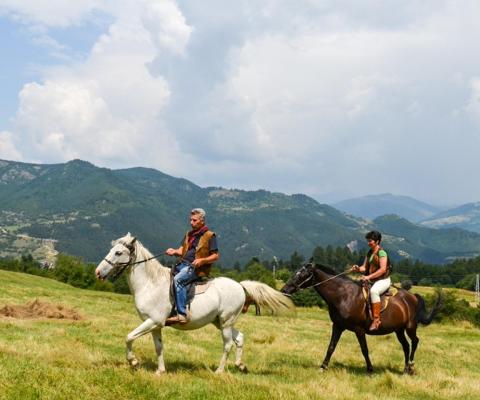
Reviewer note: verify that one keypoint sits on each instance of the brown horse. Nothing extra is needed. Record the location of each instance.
(348, 311)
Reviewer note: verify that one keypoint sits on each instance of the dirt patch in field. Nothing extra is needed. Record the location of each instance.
(38, 309)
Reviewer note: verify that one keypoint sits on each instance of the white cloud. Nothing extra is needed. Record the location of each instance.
(8, 150)
(473, 107)
(68, 119)
(265, 94)
(106, 109)
(53, 13)
(167, 26)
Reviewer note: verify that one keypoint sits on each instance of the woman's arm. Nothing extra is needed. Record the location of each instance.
(360, 268)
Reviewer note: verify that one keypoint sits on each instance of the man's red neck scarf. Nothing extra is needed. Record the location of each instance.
(196, 233)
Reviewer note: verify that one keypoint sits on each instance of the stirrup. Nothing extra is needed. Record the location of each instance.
(375, 325)
(177, 319)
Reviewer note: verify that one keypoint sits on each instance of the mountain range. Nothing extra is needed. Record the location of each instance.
(466, 216)
(374, 206)
(79, 208)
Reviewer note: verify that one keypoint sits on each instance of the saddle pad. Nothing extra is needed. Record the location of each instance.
(384, 298)
(202, 287)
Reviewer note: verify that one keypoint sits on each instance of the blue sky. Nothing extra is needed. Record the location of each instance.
(334, 99)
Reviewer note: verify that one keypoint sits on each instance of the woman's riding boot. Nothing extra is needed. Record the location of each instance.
(376, 316)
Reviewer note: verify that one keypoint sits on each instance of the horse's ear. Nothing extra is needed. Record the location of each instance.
(133, 241)
(112, 243)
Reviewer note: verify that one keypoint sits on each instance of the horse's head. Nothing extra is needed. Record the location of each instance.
(120, 256)
(301, 279)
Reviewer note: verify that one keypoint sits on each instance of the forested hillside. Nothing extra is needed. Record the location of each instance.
(79, 208)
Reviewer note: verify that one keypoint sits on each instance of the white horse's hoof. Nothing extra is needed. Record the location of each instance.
(219, 371)
(242, 368)
(160, 372)
(134, 363)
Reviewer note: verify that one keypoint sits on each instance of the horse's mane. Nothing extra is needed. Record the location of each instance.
(331, 271)
(325, 268)
(154, 269)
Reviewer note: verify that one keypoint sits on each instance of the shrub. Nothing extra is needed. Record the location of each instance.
(307, 298)
(454, 309)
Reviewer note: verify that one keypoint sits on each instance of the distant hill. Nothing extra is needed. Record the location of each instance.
(373, 206)
(435, 245)
(84, 207)
(466, 217)
(79, 208)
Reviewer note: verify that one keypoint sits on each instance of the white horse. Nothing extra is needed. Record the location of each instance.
(220, 305)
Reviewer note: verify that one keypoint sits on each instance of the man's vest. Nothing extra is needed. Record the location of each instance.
(201, 251)
(374, 265)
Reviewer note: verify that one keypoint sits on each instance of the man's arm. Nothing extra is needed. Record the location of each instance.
(174, 252)
(198, 262)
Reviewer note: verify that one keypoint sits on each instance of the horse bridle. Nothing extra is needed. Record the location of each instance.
(298, 286)
(120, 267)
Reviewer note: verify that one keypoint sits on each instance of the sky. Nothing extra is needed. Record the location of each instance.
(334, 99)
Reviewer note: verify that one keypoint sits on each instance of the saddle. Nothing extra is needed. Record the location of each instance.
(384, 298)
(195, 287)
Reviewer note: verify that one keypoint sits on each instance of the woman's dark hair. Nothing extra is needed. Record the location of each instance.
(374, 235)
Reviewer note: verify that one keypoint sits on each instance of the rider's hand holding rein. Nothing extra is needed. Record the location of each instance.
(198, 262)
(378, 273)
(358, 268)
(174, 252)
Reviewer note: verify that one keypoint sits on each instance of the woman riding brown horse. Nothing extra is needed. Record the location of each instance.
(348, 311)
(377, 271)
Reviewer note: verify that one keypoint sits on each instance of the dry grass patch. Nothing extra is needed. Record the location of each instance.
(37, 309)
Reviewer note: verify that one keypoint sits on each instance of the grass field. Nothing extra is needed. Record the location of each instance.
(64, 359)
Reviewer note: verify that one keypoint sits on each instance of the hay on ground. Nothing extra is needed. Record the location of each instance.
(38, 309)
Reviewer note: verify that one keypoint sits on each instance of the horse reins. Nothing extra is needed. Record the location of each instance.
(319, 283)
(332, 277)
(124, 265)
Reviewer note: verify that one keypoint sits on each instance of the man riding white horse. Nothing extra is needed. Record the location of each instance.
(198, 252)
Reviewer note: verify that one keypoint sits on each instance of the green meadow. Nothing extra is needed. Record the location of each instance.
(85, 359)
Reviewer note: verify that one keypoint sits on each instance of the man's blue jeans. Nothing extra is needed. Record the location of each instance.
(185, 275)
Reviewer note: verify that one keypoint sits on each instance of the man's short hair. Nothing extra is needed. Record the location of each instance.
(199, 211)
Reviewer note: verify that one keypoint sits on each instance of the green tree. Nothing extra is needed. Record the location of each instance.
(258, 272)
(71, 270)
(467, 283)
(283, 274)
(296, 261)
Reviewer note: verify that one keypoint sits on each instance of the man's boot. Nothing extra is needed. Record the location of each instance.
(177, 319)
(376, 316)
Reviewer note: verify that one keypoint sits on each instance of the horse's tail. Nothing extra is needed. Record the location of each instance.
(264, 296)
(421, 314)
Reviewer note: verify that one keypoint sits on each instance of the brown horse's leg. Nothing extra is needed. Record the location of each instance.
(363, 345)
(248, 302)
(412, 334)
(405, 346)
(336, 333)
